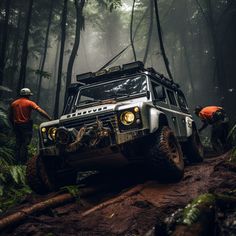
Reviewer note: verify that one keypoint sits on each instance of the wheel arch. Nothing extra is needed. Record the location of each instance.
(157, 119)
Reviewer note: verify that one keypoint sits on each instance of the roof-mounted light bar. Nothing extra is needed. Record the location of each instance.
(101, 72)
(137, 65)
(84, 76)
(114, 69)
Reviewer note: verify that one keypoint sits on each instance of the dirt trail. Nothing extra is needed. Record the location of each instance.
(131, 214)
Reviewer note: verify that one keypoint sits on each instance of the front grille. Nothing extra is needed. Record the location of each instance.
(108, 119)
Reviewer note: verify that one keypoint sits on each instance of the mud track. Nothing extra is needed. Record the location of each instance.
(129, 204)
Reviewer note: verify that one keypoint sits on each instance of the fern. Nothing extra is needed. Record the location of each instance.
(18, 174)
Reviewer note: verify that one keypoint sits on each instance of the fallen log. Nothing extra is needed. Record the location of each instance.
(22, 214)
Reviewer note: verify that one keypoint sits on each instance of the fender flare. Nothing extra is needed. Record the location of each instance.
(156, 119)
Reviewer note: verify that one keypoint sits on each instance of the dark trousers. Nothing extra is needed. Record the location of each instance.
(219, 136)
(23, 134)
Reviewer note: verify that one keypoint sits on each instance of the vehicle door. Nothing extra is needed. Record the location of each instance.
(174, 110)
(184, 112)
(164, 105)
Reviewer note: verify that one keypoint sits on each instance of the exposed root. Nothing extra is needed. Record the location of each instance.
(129, 193)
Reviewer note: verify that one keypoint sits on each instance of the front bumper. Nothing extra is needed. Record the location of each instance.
(84, 150)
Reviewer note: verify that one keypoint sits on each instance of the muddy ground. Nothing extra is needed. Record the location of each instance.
(139, 206)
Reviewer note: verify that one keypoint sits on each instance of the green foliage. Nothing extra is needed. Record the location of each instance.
(192, 211)
(206, 141)
(44, 74)
(13, 187)
(4, 123)
(73, 190)
(110, 4)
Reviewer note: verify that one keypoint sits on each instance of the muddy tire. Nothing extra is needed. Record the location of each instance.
(38, 177)
(165, 156)
(193, 148)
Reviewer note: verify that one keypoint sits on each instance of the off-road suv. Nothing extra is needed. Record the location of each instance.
(118, 116)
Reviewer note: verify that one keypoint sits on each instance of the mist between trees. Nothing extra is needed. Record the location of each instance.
(45, 43)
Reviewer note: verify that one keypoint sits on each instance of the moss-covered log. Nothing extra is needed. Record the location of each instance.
(199, 218)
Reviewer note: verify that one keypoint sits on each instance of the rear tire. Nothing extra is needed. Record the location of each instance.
(165, 156)
(193, 148)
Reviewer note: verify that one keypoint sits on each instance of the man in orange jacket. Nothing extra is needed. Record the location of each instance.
(20, 118)
(215, 116)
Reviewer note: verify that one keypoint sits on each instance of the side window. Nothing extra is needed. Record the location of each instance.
(182, 102)
(159, 92)
(171, 97)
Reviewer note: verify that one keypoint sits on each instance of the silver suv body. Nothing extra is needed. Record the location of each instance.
(117, 117)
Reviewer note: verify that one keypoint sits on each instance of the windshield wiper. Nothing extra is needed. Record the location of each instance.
(97, 102)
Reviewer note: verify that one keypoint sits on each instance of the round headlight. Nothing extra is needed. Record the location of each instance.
(127, 118)
(52, 133)
(62, 136)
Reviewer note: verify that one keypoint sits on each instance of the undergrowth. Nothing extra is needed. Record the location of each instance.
(13, 187)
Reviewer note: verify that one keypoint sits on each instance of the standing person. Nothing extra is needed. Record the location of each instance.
(20, 117)
(215, 116)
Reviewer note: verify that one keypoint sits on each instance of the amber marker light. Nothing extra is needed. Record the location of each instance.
(136, 109)
(43, 129)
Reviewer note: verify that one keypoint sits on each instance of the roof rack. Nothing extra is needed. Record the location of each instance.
(125, 69)
(107, 74)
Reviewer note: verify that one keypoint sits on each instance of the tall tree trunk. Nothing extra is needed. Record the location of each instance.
(149, 32)
(79, 5)
(15, 54)
(217, 50)
(45, 50)
(161, 41)
(220, 73)
(183, 36)
(131, 31)
(4, 40)
(63, 38)
(24, 55)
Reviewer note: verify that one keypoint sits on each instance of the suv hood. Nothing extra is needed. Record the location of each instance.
(113, 106)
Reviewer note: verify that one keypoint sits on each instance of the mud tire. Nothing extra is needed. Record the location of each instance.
(37, 176)
(193, 148)
(165, 156)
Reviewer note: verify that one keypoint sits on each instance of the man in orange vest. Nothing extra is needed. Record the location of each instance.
(20, 118)
(215, 116)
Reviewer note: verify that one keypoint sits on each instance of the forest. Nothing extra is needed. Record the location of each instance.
(44, 44)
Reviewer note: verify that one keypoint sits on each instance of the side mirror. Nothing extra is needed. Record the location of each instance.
(159, 93)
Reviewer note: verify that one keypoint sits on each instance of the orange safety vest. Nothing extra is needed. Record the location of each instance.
(21, 110)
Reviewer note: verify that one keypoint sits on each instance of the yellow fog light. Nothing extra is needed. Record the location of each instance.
(52, 133)
(136, 109)
(127, 118)
(43, 130)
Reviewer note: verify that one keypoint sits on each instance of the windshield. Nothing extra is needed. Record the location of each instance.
(113, 90)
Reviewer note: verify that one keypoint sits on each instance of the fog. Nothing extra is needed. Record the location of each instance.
(199, 39)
